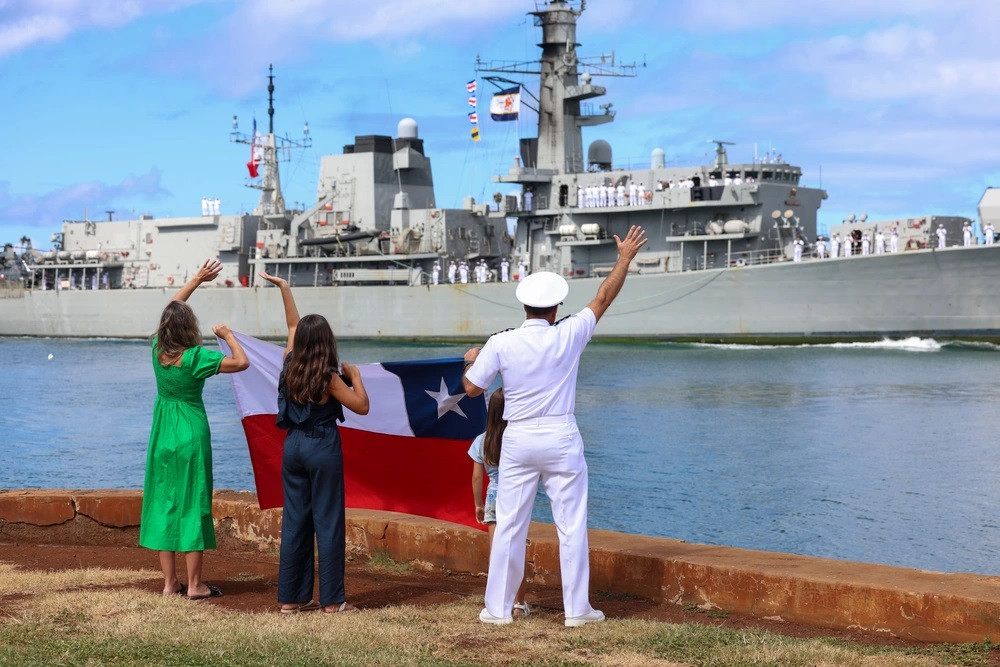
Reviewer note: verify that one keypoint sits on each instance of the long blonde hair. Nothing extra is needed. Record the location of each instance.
(177, 332)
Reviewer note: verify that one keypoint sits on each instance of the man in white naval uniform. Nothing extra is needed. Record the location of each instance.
(522, 270)
(463, 272)
(799, 245)
(966, 234)
(504, 270)
(820, 247)
(834, 245)
(451, 271)
(894, 241)
(538, 364)
(579, 196)
(942, 235)
(866, 244)
(988, 230)
(435, 272)
(879, 243)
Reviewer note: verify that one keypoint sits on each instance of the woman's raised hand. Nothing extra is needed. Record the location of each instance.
(209, 271)
(274, 280)
(222, 331)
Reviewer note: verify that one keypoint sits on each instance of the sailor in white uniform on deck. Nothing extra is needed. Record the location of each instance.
(538, 364)
(504, 270)
(820, 247)
(866, 244)
(848, 244)
(942, 235)
(799, 245)
(522, 270)
(966, 234)
(641, 194)
(633, 193)
(620, 191)
(879, 243)
(452, 269)
(989, 231)
(834, 245)
(579, 196)
(435, 272)
(894, 241)
(463, 272)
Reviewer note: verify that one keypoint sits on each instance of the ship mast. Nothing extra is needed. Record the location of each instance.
(559, 147)
(272, 149)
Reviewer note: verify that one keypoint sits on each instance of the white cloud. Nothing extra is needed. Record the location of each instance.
(47, 210)
(30, 22)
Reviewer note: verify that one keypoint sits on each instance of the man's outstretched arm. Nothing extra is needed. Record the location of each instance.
(627, 250)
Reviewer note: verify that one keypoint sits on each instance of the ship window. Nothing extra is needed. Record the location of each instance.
(461, 232)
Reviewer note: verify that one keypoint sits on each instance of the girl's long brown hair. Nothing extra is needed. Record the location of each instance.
(177, 332)
(495, 425)
(314, 360)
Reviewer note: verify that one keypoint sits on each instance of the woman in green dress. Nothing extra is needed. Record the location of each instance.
(177, 494)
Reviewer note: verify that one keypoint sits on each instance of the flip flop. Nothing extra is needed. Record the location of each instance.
(312, 605)
(523, 608)
(342, 608)
(213, 592)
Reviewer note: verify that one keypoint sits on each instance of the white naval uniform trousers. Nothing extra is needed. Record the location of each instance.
(538, 364)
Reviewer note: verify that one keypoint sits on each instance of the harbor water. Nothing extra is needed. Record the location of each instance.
(878, 452)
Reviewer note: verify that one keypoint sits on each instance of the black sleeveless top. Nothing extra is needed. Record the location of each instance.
(314, 420)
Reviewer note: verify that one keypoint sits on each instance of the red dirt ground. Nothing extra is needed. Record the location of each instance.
(249, 583)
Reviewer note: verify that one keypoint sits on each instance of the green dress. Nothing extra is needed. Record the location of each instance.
(177, 494)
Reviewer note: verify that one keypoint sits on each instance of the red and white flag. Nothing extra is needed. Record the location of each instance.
(408, 454)
(254, 151)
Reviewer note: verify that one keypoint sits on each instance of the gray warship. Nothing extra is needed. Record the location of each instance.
(733, 253)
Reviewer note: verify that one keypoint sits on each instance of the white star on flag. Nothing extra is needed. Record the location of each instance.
(446, 402)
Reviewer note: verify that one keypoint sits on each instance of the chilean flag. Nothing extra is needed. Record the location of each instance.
(408, 454)
(254, 151)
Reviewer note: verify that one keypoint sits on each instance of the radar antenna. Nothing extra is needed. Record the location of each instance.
(721, 159)
(267, 151)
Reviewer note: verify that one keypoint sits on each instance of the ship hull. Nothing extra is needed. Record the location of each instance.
(944, 294)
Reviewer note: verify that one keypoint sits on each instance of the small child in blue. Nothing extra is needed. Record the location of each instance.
(485, 453)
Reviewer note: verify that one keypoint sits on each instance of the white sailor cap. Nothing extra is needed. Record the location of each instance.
(542, 290)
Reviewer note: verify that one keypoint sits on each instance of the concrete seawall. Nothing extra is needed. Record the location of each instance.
(911, 604)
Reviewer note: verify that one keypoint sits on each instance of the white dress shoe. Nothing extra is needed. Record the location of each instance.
(487, 617)
(595, 616)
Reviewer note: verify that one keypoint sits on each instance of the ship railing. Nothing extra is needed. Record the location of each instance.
(754, 257)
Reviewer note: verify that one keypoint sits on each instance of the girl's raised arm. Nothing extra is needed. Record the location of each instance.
(291, 311)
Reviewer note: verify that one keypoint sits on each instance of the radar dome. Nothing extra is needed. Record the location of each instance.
(658, 159)
(407, 129)
(599, 154)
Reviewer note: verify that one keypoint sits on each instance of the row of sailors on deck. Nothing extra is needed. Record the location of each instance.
(597, 196)
(481, 272)
(848, 247)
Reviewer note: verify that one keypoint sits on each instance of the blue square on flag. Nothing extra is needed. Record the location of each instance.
(436, 404)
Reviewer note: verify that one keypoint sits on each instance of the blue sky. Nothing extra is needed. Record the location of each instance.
(127, 104)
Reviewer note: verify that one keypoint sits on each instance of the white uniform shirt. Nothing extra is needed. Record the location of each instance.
(538, 363)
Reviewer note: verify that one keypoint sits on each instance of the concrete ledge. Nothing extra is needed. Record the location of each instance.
(912, 604)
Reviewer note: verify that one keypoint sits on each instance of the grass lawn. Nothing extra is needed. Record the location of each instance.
(94, 617)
